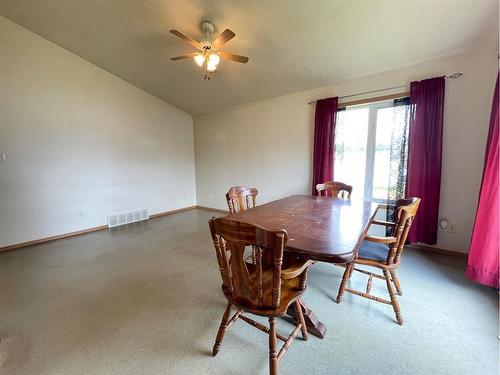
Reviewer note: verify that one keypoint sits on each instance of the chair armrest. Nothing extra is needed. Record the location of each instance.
(295, 269)
(379, 239)
(386, 206)
(385, 223)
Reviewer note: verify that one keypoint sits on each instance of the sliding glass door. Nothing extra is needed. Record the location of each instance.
(371, 149)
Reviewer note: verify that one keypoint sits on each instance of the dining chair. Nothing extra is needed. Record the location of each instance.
(335, 188)
(383, 253)
(267, 288)
(241, 198)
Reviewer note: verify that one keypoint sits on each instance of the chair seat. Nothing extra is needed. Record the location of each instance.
(373, 250)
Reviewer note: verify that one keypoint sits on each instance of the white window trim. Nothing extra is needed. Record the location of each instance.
(371, 144)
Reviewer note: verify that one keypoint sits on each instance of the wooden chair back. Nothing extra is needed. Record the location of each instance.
(240, 198)
(406, 209)
(334, 189)
(249, 284)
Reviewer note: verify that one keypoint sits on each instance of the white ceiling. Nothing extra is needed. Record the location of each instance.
(293, 45)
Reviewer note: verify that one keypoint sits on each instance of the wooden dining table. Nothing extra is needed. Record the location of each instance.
(322, 229)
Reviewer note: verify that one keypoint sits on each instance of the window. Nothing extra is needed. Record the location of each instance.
(371, 149)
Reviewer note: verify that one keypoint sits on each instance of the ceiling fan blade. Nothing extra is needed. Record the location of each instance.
(185, 38)
(223, 38)
(186, 56)
(232, 56)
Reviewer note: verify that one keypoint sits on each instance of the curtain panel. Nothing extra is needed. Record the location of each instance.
(324, 134)
(398, 157)
(424, 155)
(482, 265)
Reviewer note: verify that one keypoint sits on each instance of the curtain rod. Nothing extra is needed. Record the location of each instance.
(450, 76)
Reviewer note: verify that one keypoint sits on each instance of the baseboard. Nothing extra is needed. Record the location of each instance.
(165, 213)
(437, 250)
(213, 209)
(83, 231)
(52, 238)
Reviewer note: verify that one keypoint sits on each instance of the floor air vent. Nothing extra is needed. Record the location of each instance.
(122, 218)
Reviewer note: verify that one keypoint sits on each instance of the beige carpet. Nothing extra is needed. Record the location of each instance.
(146, 299)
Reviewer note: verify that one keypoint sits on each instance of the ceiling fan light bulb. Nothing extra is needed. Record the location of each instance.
(211, 67)
(199, 59)
(213, 59)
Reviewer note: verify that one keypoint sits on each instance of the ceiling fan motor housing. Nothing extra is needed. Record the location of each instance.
(207, 26)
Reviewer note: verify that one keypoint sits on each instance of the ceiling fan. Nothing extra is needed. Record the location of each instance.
(209, 54)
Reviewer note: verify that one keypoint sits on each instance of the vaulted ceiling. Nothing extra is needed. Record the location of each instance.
(293, 45)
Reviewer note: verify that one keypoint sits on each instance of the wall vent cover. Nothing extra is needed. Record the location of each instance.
(127, 217)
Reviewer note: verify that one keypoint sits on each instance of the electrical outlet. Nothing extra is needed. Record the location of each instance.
(210, 196)
(3, 156)
(446, 225)
(80, 213)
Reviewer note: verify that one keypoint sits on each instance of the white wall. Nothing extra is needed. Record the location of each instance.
(81, 143)
(268, 144)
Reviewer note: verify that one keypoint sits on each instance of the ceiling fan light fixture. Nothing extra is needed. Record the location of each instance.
(213, 59)
(211, 68)
(199, 59)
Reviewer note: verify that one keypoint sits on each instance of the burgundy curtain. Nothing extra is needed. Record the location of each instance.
(482, 265)
(324, 133)
(424, 155)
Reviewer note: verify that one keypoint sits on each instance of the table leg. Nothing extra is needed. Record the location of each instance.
(314, 326)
